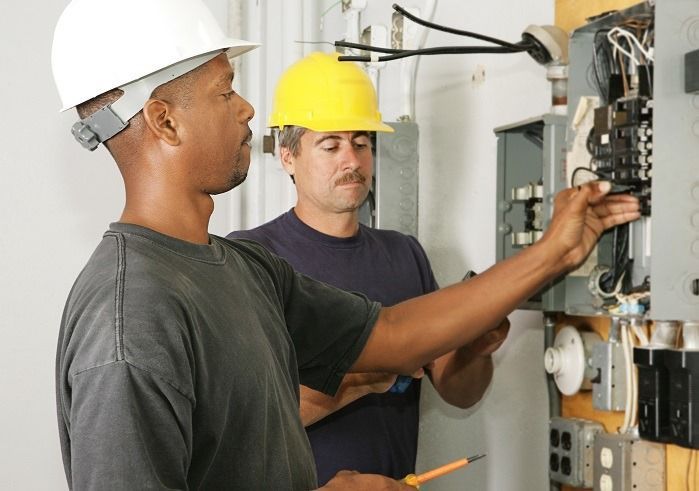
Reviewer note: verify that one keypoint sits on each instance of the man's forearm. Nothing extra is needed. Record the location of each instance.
(461, 377)
(317, 405)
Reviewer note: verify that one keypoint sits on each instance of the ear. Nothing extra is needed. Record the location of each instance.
(159, 118)
(287, 160)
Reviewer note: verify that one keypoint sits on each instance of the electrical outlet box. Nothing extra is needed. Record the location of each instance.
(571, 443)
(609, 385)
(653, 394)
(625, 463)
(683, 370)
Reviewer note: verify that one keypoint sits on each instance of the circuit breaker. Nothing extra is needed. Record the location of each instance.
(571, 450)
(653, 394)
(683, 374)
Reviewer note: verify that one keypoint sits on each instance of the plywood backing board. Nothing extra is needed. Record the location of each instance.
(681, 472)
(572, 13)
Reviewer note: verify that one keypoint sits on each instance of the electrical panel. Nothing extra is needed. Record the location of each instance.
(571, 450)
(625, 463)
(392, 202)
(633, 120)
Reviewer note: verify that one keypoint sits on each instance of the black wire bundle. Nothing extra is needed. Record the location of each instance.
(395, 54)
(603, 64)
(621, 264)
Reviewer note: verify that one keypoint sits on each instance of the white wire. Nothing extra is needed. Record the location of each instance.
(625, 344)
(614, 33)
(640, 333)
(634, 374)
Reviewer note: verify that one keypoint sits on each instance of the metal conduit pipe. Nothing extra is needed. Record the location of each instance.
(554, 400)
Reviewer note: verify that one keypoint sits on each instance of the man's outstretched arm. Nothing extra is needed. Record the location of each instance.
(410, 334)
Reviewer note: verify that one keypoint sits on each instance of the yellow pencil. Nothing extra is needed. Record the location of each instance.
(416, 480)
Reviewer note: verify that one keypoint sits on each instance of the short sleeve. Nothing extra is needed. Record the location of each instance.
(129, 430)
(329, 328)
(428, 280)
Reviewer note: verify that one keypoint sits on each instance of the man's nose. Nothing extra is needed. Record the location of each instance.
(247, 111)
(350, 158)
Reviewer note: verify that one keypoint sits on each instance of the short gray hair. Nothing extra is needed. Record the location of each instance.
(290, 137)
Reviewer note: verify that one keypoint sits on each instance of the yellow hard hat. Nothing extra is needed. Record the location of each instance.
(323, 94)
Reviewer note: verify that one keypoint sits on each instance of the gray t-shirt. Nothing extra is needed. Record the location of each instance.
(178, 364)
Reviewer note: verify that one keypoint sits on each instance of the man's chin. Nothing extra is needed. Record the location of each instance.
(235, 181)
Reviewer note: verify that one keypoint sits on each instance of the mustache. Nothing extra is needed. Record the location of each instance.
(248, 138)
(349, 178)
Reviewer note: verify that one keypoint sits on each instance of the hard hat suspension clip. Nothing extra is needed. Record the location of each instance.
(111, 119)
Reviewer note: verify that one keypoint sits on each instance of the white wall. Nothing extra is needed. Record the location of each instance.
(457, 209)
(56, 200)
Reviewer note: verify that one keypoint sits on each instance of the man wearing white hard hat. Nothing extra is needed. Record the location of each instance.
(180, 353)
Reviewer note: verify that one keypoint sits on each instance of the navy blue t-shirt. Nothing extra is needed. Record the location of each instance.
(378, 433)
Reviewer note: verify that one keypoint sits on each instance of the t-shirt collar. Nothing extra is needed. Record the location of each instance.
(299, 227)
(213, 251)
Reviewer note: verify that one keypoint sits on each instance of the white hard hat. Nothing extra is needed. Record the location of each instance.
(134, 45)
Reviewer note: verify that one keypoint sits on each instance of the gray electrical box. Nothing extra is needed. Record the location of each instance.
(609, 385)
(530, 154)
(571, 443)
(392, 203)
(625, 463)
(675, 237)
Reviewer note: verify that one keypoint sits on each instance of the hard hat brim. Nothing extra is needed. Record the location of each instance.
(336, 125)
(233, 48)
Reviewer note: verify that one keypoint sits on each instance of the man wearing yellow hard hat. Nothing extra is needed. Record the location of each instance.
(180, 353)
(324, 110)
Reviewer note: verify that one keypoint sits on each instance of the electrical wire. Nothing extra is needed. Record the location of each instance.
(617, 32)
(451, 30)
(626, 347)
(440, 50)
(314, 42)
(321, 23)
(640, 334)
(601, 64)
(330, 8)
(591, 176)
(367, 47)
(395, 54)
